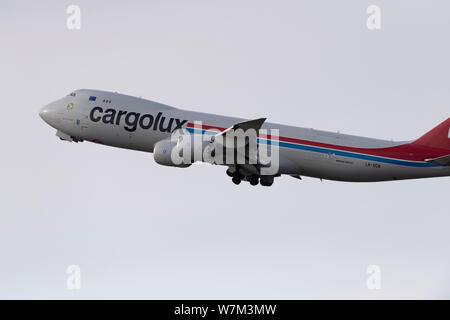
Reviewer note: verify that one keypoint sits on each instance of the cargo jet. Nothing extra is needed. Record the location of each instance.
(124, 121)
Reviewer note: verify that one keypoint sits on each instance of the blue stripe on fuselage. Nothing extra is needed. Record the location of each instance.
(334, 151)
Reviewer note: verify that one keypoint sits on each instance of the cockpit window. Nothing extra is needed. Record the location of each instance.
(72, 94)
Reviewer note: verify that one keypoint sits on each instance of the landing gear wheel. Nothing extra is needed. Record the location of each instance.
(254, 180)
(236, 180)
(266, 181)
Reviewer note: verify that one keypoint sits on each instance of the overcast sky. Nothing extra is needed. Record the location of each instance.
(139, 230)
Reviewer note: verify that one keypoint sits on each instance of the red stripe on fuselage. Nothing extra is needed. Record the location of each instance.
(406, 151)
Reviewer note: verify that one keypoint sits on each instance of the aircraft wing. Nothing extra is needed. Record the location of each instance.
(245, 125)
(443, 161)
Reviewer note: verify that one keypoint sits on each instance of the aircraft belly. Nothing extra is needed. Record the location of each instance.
(333, 167)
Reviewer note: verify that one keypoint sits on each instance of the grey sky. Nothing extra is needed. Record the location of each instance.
(139, 230)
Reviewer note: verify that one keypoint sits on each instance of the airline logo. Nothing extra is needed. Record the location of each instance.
(133, 120)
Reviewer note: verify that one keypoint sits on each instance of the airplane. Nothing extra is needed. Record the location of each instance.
(123, 121)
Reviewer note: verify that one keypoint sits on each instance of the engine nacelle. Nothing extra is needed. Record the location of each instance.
(163, 154)
(184, 149)
(193, 148)
(196, 147)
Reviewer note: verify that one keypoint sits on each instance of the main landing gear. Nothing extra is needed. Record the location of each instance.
(236, 180)
(253, 179)
(236, 177)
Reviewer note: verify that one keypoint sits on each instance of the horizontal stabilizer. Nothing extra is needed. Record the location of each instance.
(443, 161)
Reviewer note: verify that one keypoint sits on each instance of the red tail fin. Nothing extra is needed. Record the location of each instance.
(438, 137)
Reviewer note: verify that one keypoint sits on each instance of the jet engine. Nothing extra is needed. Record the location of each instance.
(166, 153)
(195, 148)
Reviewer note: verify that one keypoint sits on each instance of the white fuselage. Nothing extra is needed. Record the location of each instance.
(303, 151)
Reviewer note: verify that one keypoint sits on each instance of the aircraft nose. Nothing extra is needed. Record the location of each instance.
(49, 113)
(43, 113)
